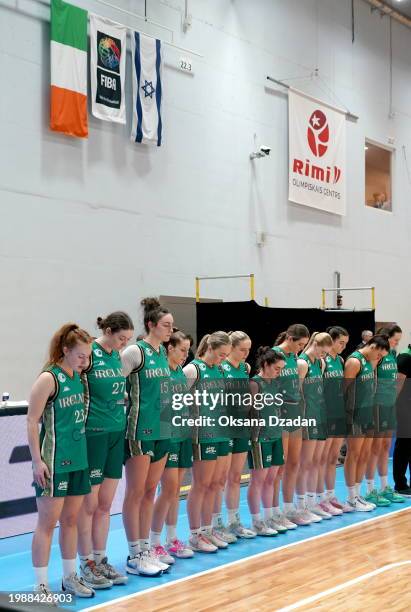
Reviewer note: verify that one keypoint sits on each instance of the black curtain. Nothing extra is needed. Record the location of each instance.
(264, 324)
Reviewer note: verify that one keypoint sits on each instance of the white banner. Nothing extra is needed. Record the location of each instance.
(147, 89)
(317, 171)
(107, 68)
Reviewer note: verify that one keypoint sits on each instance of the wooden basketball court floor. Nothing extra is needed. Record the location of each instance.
(362, 567)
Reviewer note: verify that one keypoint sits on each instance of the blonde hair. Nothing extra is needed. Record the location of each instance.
(322, 339)
(214, 340)
(236, 337)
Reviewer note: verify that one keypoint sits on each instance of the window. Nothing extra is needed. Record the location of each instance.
(377, 176)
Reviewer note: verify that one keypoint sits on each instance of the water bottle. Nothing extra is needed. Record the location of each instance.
(4, 398)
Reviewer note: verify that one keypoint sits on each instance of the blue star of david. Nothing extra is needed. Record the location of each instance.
(148, 89)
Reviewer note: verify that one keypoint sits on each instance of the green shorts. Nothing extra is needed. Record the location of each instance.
(180, 454)
(265, 454)
(157, 449)
(240, 445)
(385, 418)
(66, 483)
(336, 427)
(209, 451)
(105, 453)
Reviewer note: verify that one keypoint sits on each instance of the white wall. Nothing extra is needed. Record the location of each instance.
(87, 227)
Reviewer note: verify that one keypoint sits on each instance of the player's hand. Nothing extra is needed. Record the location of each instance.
(40, 473)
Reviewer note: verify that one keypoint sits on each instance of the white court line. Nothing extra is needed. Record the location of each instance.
(344, 585)
(244, 559)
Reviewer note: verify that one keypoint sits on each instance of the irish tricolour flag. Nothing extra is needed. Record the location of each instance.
(68, 113)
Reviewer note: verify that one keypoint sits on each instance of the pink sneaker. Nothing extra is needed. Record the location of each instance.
(297, 517)
(325, 505)
(347, 507)
(334, 502)
(178, 549)
(162, 555)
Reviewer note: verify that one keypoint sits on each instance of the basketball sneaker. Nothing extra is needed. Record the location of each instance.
(93, 577)
(201, 543)
(75, 585)
(179, 549)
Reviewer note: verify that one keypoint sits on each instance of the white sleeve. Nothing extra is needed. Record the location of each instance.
(131, 358)
(191, 373)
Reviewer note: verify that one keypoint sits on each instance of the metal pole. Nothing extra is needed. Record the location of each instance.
(373, 298)
(197, 289)
(252, 287)
(266, 301)
(323, 298)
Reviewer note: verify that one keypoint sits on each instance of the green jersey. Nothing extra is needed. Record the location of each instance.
(387, 375)
(333, 384)
(144, 391)
(364, 383)
(105, 387)
(290, 384)
(179, 385)
(313, 389)
(62, 437)
(210, 379)
(266, 409)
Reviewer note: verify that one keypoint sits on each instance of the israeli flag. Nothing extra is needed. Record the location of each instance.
(147, 89)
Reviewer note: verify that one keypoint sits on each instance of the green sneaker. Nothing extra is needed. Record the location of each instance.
(377, 499)
(392, 496)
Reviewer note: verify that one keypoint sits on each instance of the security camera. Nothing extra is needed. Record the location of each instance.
(263, 152)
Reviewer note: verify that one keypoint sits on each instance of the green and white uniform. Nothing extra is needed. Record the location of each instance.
(180, 453)
(266, 442)
(144, 432)
(314, 403)
(386, 393)
(334, 396)
(105, 386)
(207, 444)
(360, 399)
(238, 382)
(62, 438)
(290, 387)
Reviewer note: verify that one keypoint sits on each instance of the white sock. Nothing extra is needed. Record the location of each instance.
(358, 488)
(41, 574)
(232, 515)
(330, 493)
(206, 529)
(276, 510)
(268, 513)
(69, 567)
(144, 544)
(155, 538)
(321, 497)
(384, 482)
(352, 493)
(84, 559)
(311, 499)
(370, 484)
(134, 548)
(99, 555)
(195, 532)
(256, 517)
(171, 533)
(217, 517)
(288, 507)
(300, 502)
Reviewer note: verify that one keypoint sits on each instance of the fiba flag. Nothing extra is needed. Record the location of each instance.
(317, 164)
(68, 53)
(107, 69)
(147, 89)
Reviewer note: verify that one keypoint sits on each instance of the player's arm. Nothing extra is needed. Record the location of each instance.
(43, 389)
(131, 359)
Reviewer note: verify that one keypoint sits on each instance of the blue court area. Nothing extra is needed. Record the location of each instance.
(15, 560)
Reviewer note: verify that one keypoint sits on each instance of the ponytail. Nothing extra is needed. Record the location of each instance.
(69, 335)
(213, 340)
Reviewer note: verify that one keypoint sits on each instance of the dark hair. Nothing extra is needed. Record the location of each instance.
(116, 321)
(69, 335)
(295, 332)
(389, 330)
(189, 337)
(336, 331)
(153, 311)
(266, 355)
(176, 337)
(380, 341)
